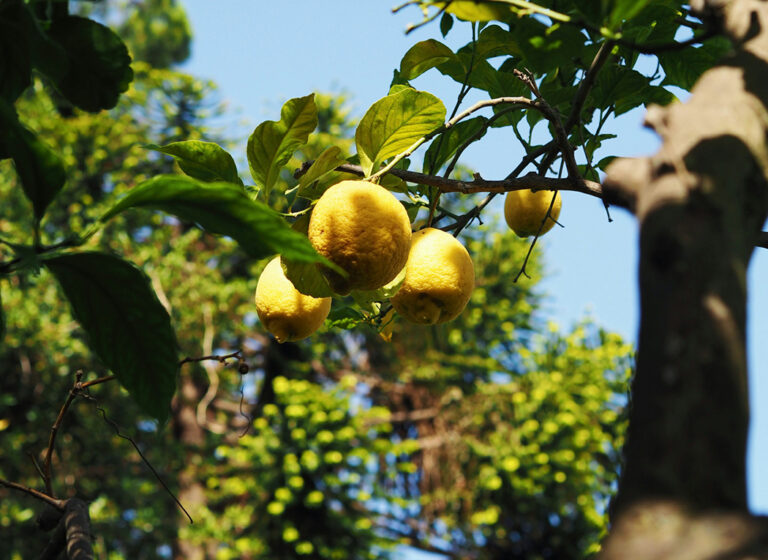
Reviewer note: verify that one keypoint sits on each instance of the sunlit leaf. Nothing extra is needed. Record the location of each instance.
(422, 56)
(206, 161)
(221, 208)
(394, 123)
(273, 142)
(127, 326)
(470, 10)
(326, 162)
(99, 66)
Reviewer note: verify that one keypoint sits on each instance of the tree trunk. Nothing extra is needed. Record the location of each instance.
(701, 202)
(191, 490)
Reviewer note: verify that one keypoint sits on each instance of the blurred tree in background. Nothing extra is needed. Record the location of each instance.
(494, 436)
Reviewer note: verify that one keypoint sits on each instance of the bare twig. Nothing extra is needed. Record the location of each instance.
(222, 358)
(535, 239)
(53, 502)
(48, 456)
(119, 434)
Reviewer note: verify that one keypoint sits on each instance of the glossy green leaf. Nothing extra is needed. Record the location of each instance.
(127, 326)
(325, 163)
(40, 170)
(444, 146)
(221, 208)
(206, 161)
(99, 66)
(422, 56)
(273, 142)
(394, 123)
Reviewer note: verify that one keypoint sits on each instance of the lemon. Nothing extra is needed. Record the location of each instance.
(439, 278)
(283, 310)
(525, 210)
(364, 229)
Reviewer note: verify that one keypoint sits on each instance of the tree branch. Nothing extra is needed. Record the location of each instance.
(530, 181)
(51, 501)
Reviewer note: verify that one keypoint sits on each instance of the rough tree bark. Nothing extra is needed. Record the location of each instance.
(700, 202)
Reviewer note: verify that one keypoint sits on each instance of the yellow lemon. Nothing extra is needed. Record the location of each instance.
(525, 210)
(364, 229)
(283, 310)
(439, 278)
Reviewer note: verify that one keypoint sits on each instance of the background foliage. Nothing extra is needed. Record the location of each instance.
(494, 436)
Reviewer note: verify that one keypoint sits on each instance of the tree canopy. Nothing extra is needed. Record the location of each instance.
(132, 243)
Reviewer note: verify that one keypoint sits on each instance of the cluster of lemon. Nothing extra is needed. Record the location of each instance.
(363, 229)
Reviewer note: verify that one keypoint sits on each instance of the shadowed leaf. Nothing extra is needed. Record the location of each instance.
(127, 326)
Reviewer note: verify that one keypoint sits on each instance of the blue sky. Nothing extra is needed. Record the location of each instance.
(262, 53)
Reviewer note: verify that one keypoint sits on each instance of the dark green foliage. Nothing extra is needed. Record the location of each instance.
(127, 326)
(40, 170)
(99, 67)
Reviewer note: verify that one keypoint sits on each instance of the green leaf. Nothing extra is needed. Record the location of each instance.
(344, 317)
(446, 23)
(624, 10)
(620, 86)
(683, 68)
(221, 208)
(325, 163)
(127, 326)
(470, 10)
(307, 278)
(15, 55)
(547, 48)
(394, 123)
(495, 41)
(444, 146)
(206, 161)
(40, 170)
(273, 142)
(422, 56)
(99, 66)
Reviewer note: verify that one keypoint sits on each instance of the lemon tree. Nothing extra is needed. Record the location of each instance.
(549, 75)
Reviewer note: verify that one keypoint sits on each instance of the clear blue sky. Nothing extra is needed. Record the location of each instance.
(262, 53)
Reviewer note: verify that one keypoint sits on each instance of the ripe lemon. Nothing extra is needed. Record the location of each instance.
(524, 211)
(439, 278)
(364, 229)
(283, 310)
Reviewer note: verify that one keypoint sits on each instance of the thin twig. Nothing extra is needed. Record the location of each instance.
(47, 458)
(119, 434)
(223, 358)
(535, 239)
(51, 501)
